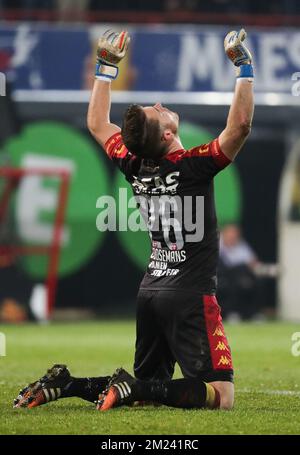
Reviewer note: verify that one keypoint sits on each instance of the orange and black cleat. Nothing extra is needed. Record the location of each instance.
(118, 391)
(46, 389)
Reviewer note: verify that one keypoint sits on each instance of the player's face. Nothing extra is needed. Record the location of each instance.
(166, 118)
(231, 235)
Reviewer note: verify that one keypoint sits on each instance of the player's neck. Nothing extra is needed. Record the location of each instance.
(175, 146)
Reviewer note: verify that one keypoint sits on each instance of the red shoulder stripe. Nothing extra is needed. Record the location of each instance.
(114, 146)
(219, 157)
(176, 156)
(211, 149)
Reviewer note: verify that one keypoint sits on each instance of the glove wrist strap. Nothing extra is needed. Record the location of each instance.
(245, 71)
(105, 71)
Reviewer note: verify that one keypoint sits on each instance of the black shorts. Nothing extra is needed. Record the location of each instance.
(183, 327)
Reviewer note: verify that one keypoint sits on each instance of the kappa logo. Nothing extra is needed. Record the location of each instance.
(224, 361)
(113, 141)
(221, 347)
(203, 149)
(218, 332)
(120, 150)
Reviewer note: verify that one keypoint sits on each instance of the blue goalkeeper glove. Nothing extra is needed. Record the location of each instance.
(238, 53)
(111, 49)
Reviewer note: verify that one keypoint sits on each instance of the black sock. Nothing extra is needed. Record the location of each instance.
(86, 388)
(179, 393)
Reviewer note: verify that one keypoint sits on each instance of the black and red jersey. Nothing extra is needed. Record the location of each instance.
(176, 199)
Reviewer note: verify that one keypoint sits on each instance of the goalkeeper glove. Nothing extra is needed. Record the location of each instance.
(238, 53)
(111, 49)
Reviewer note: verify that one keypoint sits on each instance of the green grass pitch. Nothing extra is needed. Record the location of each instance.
(267, 382)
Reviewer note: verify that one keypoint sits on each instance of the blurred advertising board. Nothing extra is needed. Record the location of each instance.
(161, 58)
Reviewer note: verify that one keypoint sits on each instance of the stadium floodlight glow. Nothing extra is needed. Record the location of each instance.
(2, 84)
(289, 234)
(296, 86)
(2, 345)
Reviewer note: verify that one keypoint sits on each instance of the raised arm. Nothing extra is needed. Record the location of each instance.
(111, 49)
(98, 118)
(241, 111)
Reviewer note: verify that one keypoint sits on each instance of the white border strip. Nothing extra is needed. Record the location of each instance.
(181, 98)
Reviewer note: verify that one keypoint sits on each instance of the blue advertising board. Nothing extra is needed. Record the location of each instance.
(161, 58)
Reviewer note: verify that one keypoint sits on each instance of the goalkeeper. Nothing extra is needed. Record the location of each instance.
(178, 317)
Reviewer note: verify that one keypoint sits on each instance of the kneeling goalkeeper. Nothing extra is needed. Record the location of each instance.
(178, 317)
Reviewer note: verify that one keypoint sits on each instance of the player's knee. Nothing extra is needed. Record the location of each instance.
(226, 401)
(226, 394)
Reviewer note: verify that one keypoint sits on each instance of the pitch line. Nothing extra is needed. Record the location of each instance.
(271, 392)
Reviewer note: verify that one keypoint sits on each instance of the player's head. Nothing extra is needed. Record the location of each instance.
(149, 131)
(231, 235)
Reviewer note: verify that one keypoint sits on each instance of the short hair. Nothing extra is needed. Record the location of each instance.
(142, 136)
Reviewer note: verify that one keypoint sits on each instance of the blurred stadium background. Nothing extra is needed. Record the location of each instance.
(47, 53)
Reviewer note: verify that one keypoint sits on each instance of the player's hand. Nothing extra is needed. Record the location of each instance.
(112, 47)
(235, 49)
